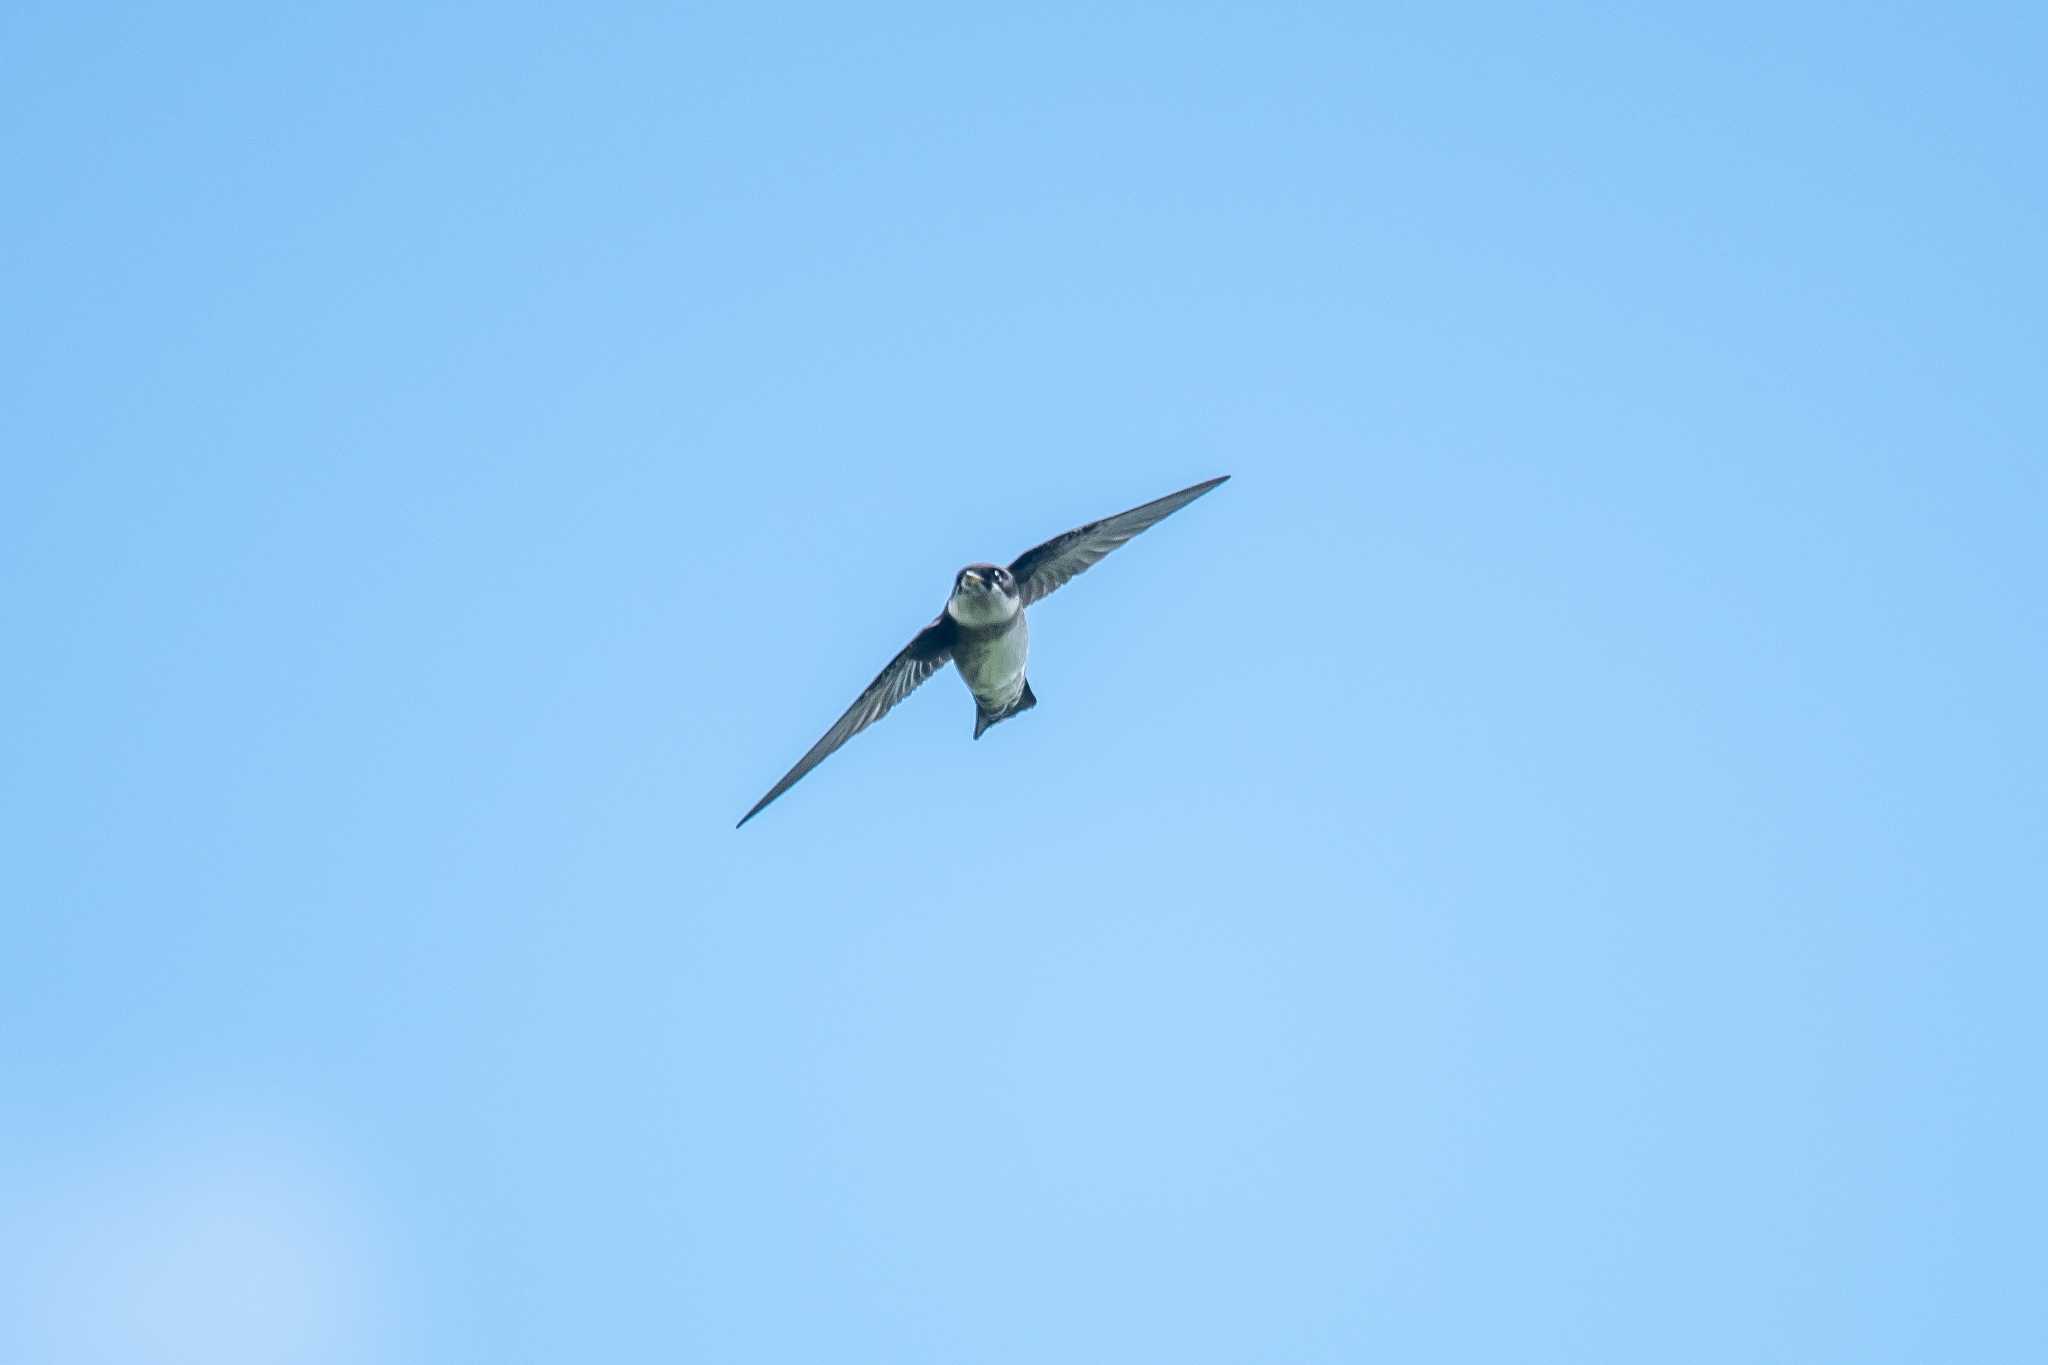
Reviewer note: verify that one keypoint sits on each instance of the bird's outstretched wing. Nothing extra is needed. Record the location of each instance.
(925, 655)
(1038, 571)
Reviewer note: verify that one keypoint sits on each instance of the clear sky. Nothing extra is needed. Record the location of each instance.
(1547, 864)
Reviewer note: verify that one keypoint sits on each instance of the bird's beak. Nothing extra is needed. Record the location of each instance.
(972, 577)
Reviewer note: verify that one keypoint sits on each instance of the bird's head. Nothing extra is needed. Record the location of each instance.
(983, 595)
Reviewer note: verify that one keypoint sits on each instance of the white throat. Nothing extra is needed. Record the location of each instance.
(981, 608)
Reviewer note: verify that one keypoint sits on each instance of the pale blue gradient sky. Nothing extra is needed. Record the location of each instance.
(1546, 865)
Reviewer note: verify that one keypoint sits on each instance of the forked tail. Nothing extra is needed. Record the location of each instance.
(984, 718)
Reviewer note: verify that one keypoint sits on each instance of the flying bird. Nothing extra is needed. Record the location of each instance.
(982, 631)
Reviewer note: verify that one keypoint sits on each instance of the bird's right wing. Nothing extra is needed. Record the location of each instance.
(925, 655)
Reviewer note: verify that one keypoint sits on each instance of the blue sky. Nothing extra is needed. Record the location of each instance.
(1546, 865)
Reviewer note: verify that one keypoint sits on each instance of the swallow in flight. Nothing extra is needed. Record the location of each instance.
(982, 631)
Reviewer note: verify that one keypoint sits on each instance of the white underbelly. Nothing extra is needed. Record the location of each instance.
(994, 669)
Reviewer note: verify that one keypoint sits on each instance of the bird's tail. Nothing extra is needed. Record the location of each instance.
(983, 718)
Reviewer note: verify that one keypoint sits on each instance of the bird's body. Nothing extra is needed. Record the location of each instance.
(991, 661)
(984, 633)
(991, 644)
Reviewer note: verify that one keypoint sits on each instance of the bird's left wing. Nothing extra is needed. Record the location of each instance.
(1041, 569)
(925, 655)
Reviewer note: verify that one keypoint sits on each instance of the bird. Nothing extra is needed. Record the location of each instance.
(982, 631)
